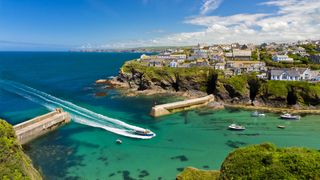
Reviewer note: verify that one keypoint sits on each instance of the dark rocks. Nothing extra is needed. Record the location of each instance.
(181, 158)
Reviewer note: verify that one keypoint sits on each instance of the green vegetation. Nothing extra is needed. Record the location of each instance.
(299, 58)
(302, 62)
(264, 161)
(244, 87)
(190, 173)
(14, 164)
(310, 49)
(238, 83)
(304, 93)
(174, 76)
(255, 55)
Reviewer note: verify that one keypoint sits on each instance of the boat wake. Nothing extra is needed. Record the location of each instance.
(78, 114)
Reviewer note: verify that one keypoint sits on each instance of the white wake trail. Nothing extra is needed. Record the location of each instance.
(78, 114)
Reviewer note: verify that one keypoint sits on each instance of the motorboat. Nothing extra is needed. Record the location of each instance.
(281, 127)
(289, 117)
(236, 127)
(145, 132)
(257, 114)
(119, 141)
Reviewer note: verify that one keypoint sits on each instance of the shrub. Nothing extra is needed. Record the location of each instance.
(266, 161)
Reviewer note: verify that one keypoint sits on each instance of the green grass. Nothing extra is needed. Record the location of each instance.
(266, 161)
(190, 173)
(14, 164)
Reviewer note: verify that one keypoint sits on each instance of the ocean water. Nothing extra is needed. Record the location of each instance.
(197, 138)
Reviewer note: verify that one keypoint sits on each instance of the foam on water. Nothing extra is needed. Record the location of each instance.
(78, 114)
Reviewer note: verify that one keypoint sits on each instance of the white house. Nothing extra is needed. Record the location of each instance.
(173, 64)
(290, 74)
(281, 58)
(220, 66)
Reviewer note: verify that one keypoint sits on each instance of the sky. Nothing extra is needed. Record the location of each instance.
(31, 25)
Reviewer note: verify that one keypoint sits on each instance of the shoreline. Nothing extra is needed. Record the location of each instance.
(274, 109)
(125, 90)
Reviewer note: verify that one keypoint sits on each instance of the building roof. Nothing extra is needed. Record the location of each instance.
(238, 52)
(290, 72)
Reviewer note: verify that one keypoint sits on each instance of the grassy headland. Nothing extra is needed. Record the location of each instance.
(241, 89)
(264, 161)
(14, 164)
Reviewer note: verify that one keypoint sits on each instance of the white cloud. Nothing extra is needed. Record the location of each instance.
(209, 6)
(293, 20)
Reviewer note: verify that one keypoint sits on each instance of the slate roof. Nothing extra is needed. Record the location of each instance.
(290, 72)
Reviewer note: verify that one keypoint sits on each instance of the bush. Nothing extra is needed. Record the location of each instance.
(266, 161)
(14, 164)
(190, 173)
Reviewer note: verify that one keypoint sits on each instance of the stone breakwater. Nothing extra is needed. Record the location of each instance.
(165, 109)
(33, 128)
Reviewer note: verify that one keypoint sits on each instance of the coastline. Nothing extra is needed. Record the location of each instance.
(273, 109)
(125, 90)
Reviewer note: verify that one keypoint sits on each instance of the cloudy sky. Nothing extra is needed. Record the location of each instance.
(65, 24)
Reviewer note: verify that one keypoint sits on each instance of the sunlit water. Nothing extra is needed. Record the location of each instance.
(196, 138)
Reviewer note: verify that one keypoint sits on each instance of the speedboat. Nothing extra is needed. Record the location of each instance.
(281, 126)
(257, 114)
(289, 117)
(145, 132)
(236, 127)
(118, 141)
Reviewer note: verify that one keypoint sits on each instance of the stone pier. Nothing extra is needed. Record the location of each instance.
(165, 109)
(40, 125)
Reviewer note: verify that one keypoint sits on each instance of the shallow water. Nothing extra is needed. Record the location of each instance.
(196, 138)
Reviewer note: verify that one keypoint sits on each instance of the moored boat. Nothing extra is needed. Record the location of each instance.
(281, 126)
(257, 114)
(236, 127)
(118, 141)
(289, 117)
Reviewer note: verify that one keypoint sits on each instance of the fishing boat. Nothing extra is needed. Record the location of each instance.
(257, 114)
(289, 117)
(236, 127)
(281, 126)
(118, 141)
(145, 132)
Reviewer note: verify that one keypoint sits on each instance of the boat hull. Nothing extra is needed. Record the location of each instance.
(289, 118)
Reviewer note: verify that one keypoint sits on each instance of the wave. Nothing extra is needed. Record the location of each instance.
(78, 114)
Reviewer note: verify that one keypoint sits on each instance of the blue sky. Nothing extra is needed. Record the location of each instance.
(66, 24)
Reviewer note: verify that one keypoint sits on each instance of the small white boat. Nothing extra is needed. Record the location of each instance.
(118, 141)
(281, 126)
(236, 127)
(257, 114)
(289, 117)
(145, 132)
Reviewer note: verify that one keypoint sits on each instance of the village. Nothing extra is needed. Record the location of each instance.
(298, 61)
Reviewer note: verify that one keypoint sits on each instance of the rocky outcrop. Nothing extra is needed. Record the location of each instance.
(201, 81)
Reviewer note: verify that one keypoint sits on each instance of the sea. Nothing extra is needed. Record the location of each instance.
(34, 83)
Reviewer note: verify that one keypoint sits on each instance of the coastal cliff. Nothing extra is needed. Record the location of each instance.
(244, 89)
(14, 164)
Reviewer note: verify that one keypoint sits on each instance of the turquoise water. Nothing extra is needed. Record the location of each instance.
(196, 138)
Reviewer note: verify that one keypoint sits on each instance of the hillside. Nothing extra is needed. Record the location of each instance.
(244, 89)
(264, 161)
(14, 164)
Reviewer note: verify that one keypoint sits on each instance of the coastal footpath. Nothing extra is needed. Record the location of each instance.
(246, 89)
(14, 164)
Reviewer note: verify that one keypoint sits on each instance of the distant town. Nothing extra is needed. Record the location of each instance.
(298, 61)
